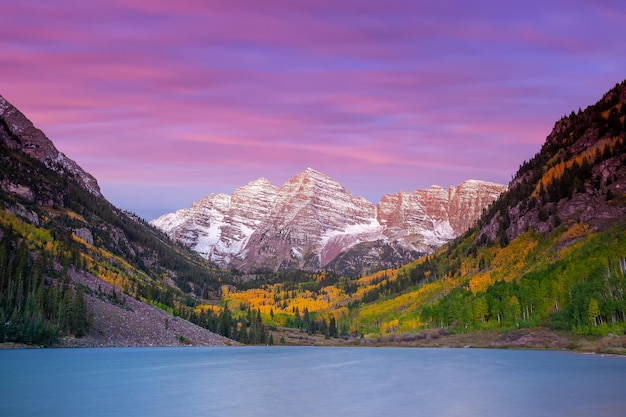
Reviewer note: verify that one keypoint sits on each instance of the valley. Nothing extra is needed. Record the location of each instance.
(539, 263)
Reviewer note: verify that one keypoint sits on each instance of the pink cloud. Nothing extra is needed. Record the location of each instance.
(385, 96)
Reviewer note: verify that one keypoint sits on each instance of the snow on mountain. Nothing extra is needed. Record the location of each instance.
(311, 219)
(219, 226)
(308, 208)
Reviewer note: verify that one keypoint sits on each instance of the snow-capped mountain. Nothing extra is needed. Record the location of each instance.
(219, 226)
(312, 219)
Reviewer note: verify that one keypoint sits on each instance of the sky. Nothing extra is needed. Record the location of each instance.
(165, 102)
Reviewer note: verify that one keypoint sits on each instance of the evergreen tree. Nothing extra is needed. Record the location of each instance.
(332, 327)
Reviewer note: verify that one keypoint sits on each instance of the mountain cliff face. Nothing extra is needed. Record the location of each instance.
(19, 133)
(414, 224)
(312, 219)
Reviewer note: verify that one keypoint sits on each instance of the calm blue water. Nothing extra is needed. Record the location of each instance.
(303, 381)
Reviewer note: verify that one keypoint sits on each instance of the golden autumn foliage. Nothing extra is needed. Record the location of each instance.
(606, 113)
(75, 216)
(399, 312)
(576, 231)
(390, 326)
(555, 170)
(510, 261)
(207, 307)
(404, 307)
(376, 277)
(277, 305)
(480, 282)
(33, 235)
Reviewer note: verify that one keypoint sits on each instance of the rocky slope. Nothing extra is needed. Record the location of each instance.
(311, 220)
(130, 322)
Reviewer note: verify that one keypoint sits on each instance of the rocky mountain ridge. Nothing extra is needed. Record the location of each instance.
(576, 178)
(20, 133)
(312, 219)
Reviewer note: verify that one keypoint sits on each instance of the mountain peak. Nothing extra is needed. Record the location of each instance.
(260, 182)
(312, 173)
(259, 185)
(312, 219)
(310, 170)
(18, 132)
(481, 182)
(310, 185)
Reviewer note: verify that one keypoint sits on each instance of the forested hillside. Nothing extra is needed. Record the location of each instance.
(38, 301)
(53, 221)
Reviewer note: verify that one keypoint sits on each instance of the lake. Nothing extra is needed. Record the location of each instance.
(309, 381)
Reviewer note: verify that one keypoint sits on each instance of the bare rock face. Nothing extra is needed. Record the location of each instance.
(84, 234)
(19, 133)
(426, 219)
(468, 200)
(312, 219)
(309, 213)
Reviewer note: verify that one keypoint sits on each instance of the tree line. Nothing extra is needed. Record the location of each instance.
(246, 326)
(38, 303)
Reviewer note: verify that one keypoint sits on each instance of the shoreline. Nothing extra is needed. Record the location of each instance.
(521, 339)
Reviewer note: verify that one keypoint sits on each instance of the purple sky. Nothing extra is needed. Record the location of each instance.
(165, 102)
